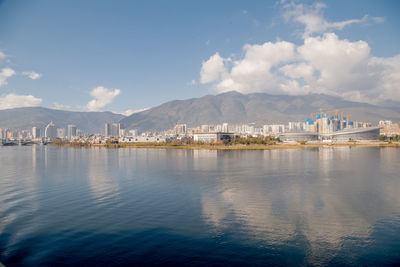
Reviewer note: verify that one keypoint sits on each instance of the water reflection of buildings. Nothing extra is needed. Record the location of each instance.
(102, 181)
(324, 203)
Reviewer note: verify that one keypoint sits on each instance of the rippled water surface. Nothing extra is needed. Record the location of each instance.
(323, 206)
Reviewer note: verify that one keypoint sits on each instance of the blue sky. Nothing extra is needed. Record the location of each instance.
(129, 55)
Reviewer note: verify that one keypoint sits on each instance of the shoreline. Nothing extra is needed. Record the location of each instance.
(228, 147)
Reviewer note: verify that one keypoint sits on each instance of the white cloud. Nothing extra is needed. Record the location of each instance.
(212, 69)
(61, 106)
(323, 64)
(5, 74)
(32, 75)
(102, 97)
(15, 101)
(2, 56)
(313, 20)
(378, 19)
(252, 73)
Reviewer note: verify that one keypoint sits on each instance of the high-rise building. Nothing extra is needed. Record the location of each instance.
(115, 129)
(71, 131)
(225, 127)
(107, 130)
(121, 130)
(35, 132)
(204, 128)
(180, 129)
(61, 133)
(133, 133)
(50, 132)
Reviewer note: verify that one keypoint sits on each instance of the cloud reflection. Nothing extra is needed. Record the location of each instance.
(325, 195)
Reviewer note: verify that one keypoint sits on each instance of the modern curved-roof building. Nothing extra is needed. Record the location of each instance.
(369, 133)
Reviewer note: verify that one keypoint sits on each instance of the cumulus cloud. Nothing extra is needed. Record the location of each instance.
(15, 101)
(252, 73)
(102, 97)
(313, 20)
(212, 69)
(32, 75)
(61, 106)
(5, 73)
(322, 64)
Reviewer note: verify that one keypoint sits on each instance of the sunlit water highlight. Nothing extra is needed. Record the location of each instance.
(321, 206)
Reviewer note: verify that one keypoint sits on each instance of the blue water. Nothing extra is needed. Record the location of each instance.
(113, 207)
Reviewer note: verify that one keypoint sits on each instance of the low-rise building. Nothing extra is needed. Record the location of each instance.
(212, 137)
(141, 139)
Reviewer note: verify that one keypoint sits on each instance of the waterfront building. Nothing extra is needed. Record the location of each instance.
(133, 133)
(116, 129)
(388, 128)
(61, 133)
(10, 134)
(225, 127)
(273, 129)
(71, 131)
(79, 132)
(332, 126)
(50, 132)
(299, 136)
(107, 130)
(297, 126)
(205, 128)
(35, 132)
(141, 139)
(212, 137)
(180, 129)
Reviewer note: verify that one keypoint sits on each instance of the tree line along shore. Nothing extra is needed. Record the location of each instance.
(254, 143)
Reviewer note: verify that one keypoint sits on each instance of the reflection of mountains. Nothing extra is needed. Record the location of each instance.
(323, 195)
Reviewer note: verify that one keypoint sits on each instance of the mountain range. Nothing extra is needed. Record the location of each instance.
(26, 118)
(231, 107)
(259, 108)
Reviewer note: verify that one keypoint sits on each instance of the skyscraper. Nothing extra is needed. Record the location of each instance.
(35, 132)
(107, 130)
(117, 129)
(225, 127)
(71, 131)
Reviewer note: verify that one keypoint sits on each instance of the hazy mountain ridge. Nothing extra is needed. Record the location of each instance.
(260, 108)
(231, 107)
(26, 118)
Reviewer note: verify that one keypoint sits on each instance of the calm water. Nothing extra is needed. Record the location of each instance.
(324, 206)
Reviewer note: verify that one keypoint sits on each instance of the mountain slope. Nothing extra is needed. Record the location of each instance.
(26, 118)
(260, 108)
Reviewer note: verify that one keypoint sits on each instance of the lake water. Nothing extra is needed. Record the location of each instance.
(105, 207)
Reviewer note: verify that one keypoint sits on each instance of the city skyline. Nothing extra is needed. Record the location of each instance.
(141, 65)
(320, 126)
